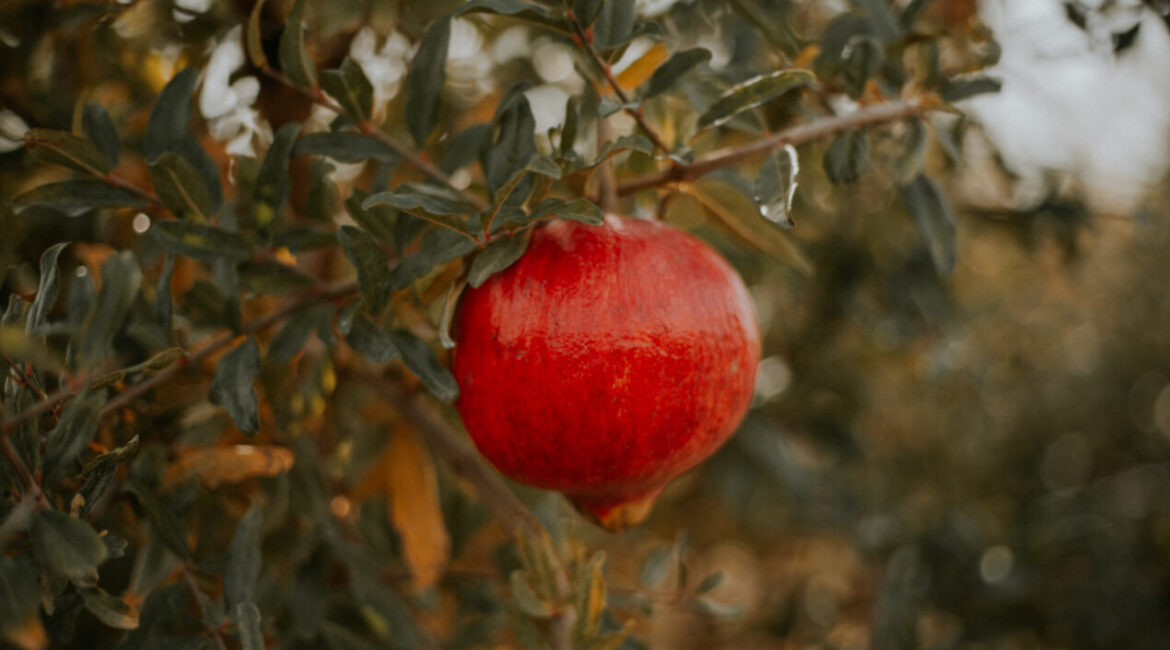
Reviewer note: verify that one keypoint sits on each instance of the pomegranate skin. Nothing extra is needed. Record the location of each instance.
(605, 362)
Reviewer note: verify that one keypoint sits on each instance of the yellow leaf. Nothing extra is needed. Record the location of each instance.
(742, 216)
(413, 496)
(216, 465)
(640, 70)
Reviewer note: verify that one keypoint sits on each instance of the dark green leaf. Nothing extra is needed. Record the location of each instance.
(776, 186)
(47, 288)
(882, 21)
(512, 142)
(121, 278)
(612, 148)
(607, 106)
(97, 125)
(372, 268)
(166, 524)
(167, 130)
(833, 40)
(232, 385)
(291, 338)
(752, 93)
(709, 583)
(248, 621)
(67, 546)
(162, 293)
(255, 41)
(675, 67)
(371, 341)
(300, 238)
(294, 58)
(586, 11)
(614, 25)
(20, 594)
(424, 82)
(932, 214)
(908, 162)
(425, 202)
(273, 186)
(181, 188)
(956, 90)
(350, 87)
(439, 246)
(64, 148)
(377, 220)
(525, 599)
(74, 431)
(244, 560)
(272, 277)
(569, 127)
(419, 359)
(847, 157)
(862, 59)
(582, 210)
(517, 8)
(465, 147)
(499, 255)
(76, 197)
(345, 147)
(111, 610)
(205, 243)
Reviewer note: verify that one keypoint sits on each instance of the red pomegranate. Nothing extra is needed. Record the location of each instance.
(605, 362)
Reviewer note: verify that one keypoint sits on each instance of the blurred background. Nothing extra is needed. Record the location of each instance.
(975, 461)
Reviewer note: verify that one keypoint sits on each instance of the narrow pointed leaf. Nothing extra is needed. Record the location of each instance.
(67, 546)
(350, 87)
(204, 243)
(614, 25)
(379, 221)
(499, 255)
(76, 197)
(424, 204)
(64, 148)
(232, 386)
(935, 221)
(776, 186)
(121, 279)
(74, 431)
(181, 188)
(511, 143)
(108, 609)
(582, 210)
(265, 277)
(675, 67)
(345, 147)
(420, 360)
(168, 130)
(369, 340)
(99, 128)
(739, 214)
(294, 58)
(847, 157)
(957, 90)
(752, 93)
(244, 560)
(248, 620)
(372, 268)
(47, 288)
(167, 527)
(255, 41)
(424, 82)
(292, 336)
(273, 186)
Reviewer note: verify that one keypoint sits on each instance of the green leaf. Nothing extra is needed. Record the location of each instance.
(582, 210)
(67, 546)
(47, 288)
(345, 147)
(292, 337)
(570, 125)
(499, 255)
(181, 188)
(934, 219)
(97, 125)
(19, 345)
(76, 197)
(232, 385)
(162, 293)
(167, 130)
(273, 186)
(64, 148)
(205, 243)
(525, 599)
(464, 148)
(675, 67)
(862, 58)
(74, 431)
(776, 186)
(373, 270)
(516, 8)
(121, 278)
(244, 560)
(656, 565)
(111, 610)
(586, 11)
(420, 360)
(512, 141)
(377, 220)
(752, 93)
(369, 340)
(614, 25)
(909, 161)
(248, 621)
(715, 609)
(255, 41)
(166, 524)
(425, 202)
(350, 87)
(439, 246)
(633, 142)
(847, 157)
(709, 583)
(956, 90)
(424, 82)
(294, 58)
(299, 239)
(742, 216)
(20, 592)
(272, 277)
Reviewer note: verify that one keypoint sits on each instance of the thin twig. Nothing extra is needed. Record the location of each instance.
(31, 484)
(880, 113)
(495, 494)
(586, 42)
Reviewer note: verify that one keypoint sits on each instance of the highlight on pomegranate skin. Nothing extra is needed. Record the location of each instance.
(605, 362)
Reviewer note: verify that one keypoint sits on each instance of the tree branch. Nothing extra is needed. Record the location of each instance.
(877, 114)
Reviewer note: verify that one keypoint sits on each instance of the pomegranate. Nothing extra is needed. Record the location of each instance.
(605, 362)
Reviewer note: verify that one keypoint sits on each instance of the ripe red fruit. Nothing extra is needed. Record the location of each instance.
(605, 362)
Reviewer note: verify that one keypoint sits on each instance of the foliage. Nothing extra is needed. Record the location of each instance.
(224, 372)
